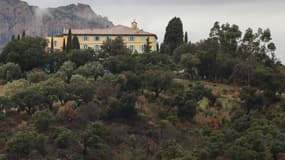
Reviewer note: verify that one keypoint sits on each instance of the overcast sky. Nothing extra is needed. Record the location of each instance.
(198, 16)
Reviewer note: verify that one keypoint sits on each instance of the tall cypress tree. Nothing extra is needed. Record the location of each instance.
(63, 45)
(19, 37)
(173, 35)
(75, 43)
(147, 47)
(51, 44)
(157, 47)
(161, 50)
(13, 37)
(23, 34)
(69, 41)
(186, 37)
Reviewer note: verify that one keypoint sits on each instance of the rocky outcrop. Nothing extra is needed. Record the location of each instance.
(16, 16)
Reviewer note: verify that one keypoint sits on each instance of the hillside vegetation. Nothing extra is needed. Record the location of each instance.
(219, 99)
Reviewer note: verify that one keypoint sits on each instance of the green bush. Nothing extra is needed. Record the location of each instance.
(63, 138)
(43, 119)
(10, 71)
(36, 76)
(23, 144)
(124, 108)
(2, 117)
(188, 110)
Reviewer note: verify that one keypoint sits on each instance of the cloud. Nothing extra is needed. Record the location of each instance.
(183, 2)
(153, 2)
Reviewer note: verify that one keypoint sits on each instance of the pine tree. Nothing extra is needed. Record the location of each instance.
(69, 41)
(186, 37)
(173, 35)
(161, 50)
(19, 37)
(63, 45)
(157, 47)
(13, 37)
(51, 45)
(23, 34)
(75, 43)
(147, 46)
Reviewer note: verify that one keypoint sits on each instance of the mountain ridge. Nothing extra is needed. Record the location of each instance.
(16, 16)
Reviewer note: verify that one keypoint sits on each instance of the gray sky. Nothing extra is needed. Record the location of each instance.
(198, 16)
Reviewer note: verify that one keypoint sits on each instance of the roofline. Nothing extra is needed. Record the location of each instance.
(81, 34)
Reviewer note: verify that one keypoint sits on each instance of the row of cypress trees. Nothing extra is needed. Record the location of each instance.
(19, 36)
(72, 42)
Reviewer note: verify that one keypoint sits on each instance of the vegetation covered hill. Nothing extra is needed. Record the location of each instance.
(219, 99)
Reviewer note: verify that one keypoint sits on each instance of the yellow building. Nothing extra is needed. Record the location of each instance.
(134, 38)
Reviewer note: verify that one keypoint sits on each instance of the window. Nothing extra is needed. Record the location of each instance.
(143, 39)
(85, 38)
(131, 38)
(85, 46)
(55, 43)
(97, 38)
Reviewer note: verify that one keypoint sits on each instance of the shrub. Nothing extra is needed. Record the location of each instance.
(2, 117)
(43, 119)
(187, 111)
(36, 76)
(63, 137)
(10, 71)
(94, 139)
(23, 144)
(122, 109)
(171, 150)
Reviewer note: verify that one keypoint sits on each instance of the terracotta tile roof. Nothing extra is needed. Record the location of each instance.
(115, 30)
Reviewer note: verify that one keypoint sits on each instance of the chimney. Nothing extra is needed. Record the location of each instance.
(134, 24)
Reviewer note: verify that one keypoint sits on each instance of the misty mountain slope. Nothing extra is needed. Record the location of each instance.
(16, 16)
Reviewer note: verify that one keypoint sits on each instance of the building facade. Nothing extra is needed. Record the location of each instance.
(133, 37)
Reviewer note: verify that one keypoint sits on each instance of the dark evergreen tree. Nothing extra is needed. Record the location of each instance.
(23, 34)
(63, 45)
(157, 47)
(173, 35)
(69, 41)
(75, 43)
(147, 46)
(114, 47)
(13, 37)
(19, 37)
(186, 37)
(161, 48)
(51, 45)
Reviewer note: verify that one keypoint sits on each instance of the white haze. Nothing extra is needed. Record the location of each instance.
(198, 15)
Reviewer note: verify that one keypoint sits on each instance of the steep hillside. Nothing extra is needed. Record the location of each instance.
(16, 16)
